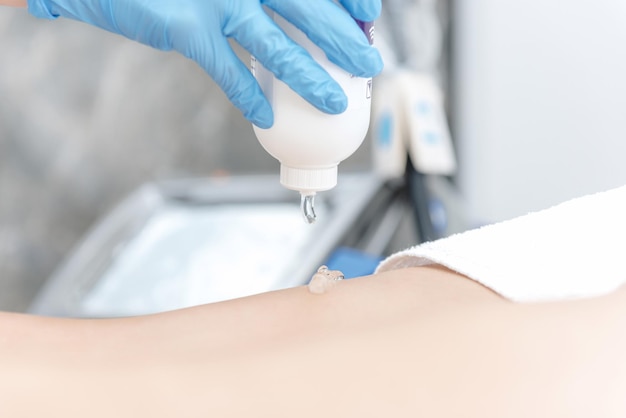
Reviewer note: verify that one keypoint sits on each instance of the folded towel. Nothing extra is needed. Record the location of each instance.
(574, 250)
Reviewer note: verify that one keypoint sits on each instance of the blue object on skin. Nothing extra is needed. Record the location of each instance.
(353, 263)
(199, 29)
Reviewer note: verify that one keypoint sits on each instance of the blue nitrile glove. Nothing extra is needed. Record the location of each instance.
(199, 30)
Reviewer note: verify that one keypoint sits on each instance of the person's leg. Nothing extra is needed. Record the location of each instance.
(416, 342)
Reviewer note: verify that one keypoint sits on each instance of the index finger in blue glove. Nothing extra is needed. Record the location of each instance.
(365, 10)
(288, 61)
(333, 29)
(234, 78)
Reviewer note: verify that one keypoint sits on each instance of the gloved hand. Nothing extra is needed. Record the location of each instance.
(199, 30)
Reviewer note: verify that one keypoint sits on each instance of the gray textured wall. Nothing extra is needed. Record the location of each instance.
(85, 118)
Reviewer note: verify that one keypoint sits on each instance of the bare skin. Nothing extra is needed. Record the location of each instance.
(415, 342)
(13, 3)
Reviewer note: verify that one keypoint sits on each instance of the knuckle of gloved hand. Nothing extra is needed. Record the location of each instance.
(168, 28)
(228, 77)
(184, 28)
(368, 10)
(240, 94)
(189, 20)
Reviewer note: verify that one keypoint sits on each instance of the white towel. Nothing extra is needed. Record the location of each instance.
(574, 250)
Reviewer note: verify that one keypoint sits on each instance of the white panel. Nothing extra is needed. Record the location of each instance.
(541, 101)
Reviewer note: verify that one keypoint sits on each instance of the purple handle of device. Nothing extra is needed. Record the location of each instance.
(368, 29)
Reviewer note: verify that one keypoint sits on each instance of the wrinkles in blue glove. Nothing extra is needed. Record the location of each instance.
(199, 29)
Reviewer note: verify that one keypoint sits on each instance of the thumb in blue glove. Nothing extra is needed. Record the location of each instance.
(199, 29)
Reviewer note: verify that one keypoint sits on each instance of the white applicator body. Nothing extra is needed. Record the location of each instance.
(308, 143)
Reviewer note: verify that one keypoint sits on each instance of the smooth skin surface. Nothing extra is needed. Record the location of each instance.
(414, 342)
(13, 3)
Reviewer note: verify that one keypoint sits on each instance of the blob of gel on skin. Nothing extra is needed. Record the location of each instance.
(324, 279)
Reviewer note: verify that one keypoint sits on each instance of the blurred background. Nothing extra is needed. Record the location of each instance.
(534, 93)
(86, 117)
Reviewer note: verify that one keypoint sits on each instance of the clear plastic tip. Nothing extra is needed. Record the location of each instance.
(307, 204)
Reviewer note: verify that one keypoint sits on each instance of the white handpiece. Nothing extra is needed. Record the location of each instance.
(308, 143)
